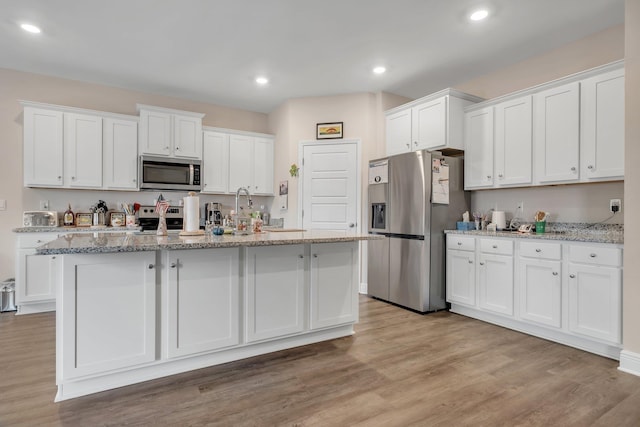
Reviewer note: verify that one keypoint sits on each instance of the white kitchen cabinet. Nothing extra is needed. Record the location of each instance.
(595, 292)
(513, 142)
(275, 292)
(602, 127)
(36, 275)
(495, 276)
(120, 154)
(82, 150)
(479, 136)
(557, 134)
(398, 132)
(172, 133)
(540, 283)
(334, 284)
(215, 162)
(202, 301)
(43, 147)
(251, 164)
(262, 166)
(433, 122)
(108, 309)
(461, 270)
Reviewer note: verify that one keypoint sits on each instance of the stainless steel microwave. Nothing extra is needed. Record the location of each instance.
(162, 173)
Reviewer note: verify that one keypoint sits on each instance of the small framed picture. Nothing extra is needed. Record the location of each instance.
(84, 220)
(117, 219)
(329, 130)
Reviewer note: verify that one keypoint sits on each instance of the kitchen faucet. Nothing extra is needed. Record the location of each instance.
(249, 202)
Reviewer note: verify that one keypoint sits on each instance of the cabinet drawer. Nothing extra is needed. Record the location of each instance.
(596, 255)
(495, 246)
(542, 250)
(33, 240)
(461, 243)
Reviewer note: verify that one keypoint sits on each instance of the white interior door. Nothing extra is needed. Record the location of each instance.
(330, 182)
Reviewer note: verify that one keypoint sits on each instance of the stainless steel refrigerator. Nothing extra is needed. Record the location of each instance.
(413, 198)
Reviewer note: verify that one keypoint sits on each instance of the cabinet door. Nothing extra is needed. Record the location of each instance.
(120, 150)
(334, 284)
(602, 126)
(495, 283)
(513, 156)
(275, 292)
(215, 158)
(595, 303)
(478, 137)
(461, 277)
(36, 277)
(398, 132)
(187, 136)
(82, 150)
(540, 291)
(429, 125)
(43, 147)
(202, 300)
(240, 162)
(107, 312)
(155, 133)
(557, 134)
(262, 166)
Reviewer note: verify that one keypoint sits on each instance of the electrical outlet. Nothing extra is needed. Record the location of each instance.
(44, 205)
(615, 205)
(520, 208)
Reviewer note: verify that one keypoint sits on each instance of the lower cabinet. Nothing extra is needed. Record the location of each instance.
(108, 309)
(202, 300)
(275, 291)
(540, 291)
(461, 277)
(36, 275)
(495, 276)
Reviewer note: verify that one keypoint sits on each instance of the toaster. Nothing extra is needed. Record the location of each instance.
(40, 219)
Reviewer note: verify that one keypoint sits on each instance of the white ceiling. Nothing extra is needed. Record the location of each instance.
(212, 50)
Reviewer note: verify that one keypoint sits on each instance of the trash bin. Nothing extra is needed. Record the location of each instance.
(8, 295)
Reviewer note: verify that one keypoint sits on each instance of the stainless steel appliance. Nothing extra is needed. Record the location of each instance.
(148, 218)
(213, 213)
(408, 267)
(161, 173)
(40, 219)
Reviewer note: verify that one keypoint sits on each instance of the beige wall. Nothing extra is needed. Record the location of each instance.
(565, 203)
(16, 86)
(631, 279)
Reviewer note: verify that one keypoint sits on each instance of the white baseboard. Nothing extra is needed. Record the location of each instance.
(363, 288)
(630, 362)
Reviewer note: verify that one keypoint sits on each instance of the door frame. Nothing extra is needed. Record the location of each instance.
(358, 144)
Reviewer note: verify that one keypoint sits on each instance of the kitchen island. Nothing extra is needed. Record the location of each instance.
(131, 308)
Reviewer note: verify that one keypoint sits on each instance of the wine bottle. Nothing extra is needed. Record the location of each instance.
(68, 219)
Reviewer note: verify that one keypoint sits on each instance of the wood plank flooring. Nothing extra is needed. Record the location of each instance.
(400, 369)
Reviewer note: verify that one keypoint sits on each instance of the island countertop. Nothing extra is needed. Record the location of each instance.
(91, 243)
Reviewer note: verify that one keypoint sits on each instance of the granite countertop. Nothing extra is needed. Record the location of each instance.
(91, 229)
(89, 243)
(564, 232)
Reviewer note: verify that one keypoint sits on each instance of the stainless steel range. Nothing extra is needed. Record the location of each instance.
(148, 218)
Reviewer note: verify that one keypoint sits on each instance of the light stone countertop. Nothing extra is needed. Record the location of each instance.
(592, 236)
(62, 229)
(90, 243)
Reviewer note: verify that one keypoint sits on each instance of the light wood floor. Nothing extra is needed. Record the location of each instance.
(400, 369)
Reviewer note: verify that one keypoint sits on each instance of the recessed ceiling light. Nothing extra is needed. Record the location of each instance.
(30, 28)
(379, 70)
(262, 80)
(479, 15)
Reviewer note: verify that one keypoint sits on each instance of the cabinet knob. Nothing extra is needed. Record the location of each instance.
(470, 262)
(73, 178)
(488, 176)
(53, 257)
(459, 243)
(134, 180)
(408, 145)
(555, 273)
(573, 276)
(59, 177)
(315, 255)
(495, 246)
(592, 255)
(538, 250)
(150, 266)
(415, 143)
(173, 265)
(352, 224)
(166, 148)
(573, 169)
(177, 148)
(499, 175)
(590, 167)
(38, 241)
(481, 263)
(300, 256)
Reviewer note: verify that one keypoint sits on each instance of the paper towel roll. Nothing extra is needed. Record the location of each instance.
(191, 213)
(498, 218)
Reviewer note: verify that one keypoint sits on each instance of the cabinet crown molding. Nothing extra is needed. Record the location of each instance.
(236, 132)
(67, 109)
(168, 110)
(436, 95)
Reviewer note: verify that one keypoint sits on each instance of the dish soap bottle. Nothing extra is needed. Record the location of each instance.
(68, 218)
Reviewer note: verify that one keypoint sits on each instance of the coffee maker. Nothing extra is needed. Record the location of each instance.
(213, 213)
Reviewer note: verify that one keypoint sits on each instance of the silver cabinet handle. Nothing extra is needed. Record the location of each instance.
(555, 273)
(573, 169)
(53, 257)
(73, 178)
(499, 175)
(592, 255)
(495, 246)
(415, 143)
(173, 265)
(352, 224)
(150, 266)
(481, 263)
(59, 177)
(573, 276)
(315, 255)
(459, 243)
(538, 250)
(488, 176)
(408, 145)
(300, 256)
(470, 262)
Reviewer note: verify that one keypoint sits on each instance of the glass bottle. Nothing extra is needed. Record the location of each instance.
(68, 219)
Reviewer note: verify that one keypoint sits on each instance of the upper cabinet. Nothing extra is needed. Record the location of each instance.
(172, 133)
(432, 122)
(234, 159)
(568, 131)
(67, 147)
